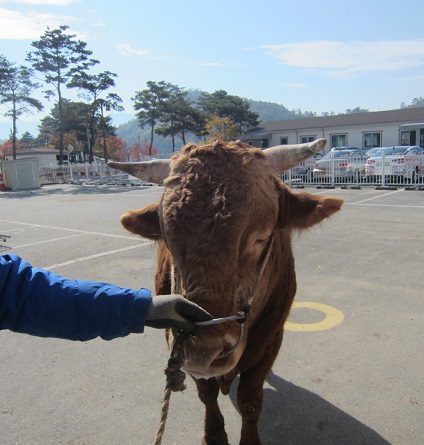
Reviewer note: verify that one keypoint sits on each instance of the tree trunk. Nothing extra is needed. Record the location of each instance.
(89, 147)
(105, 153)
(14, 131)
(151, 140)
(61, 130)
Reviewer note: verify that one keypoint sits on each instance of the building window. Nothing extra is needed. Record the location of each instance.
(265, 143)
(306, 139)
(65, 158)
(284, 140)
(338, 140)
(372, 140)
(408, 137)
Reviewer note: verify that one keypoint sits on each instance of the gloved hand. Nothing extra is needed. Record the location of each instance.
(174, 311)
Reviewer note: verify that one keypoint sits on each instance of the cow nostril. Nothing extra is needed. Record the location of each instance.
(195, 332)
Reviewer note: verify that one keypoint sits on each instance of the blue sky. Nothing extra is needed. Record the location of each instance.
(315, 55)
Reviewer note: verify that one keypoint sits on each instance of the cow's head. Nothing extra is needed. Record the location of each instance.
(221, 205)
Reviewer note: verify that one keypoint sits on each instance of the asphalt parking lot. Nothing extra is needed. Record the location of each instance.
(350, 370)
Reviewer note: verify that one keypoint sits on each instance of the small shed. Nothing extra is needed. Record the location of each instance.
(21, 174)
(45, 156)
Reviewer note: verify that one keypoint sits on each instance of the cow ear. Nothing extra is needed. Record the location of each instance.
(143, 222)
(303, 210)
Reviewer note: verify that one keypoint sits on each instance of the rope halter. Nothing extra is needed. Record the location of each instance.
(174, 375)
(241, 316)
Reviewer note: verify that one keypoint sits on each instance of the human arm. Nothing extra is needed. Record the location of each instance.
(38, 302)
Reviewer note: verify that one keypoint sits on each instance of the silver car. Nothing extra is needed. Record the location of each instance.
(342, 165)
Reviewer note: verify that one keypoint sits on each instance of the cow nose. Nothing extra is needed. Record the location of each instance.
(207, 330)
(206, 354)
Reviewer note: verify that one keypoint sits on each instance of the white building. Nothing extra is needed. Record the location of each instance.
(45, 156)
(363, 130)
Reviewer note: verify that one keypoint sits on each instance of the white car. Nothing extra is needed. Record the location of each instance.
(342, 165)
(396, 163)
(306, 167)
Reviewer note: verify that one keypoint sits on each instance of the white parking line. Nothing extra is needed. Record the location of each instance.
(48, 240)
(83, 232)
(400, 206)
(377, 197)
(97, 255)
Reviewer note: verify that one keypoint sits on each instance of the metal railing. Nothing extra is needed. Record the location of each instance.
(90, 174)
(385, 171)
(353, 171)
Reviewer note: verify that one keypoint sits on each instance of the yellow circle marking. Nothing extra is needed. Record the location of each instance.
(333, 317)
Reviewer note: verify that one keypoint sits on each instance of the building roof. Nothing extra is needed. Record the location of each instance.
(38, 151)
(343, 120)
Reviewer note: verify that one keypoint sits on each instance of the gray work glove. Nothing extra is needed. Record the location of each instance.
(174, 311)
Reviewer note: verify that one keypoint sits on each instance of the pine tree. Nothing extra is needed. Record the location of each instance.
(59, 57)
(16, 86)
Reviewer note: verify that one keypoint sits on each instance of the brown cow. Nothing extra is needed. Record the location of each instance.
(224, 223)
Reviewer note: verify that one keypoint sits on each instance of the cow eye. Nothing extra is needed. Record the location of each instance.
(260, 241)
(257, 245)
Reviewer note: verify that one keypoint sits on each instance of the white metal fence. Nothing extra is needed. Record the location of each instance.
(95, 173)
(354, 170)
(357, 170)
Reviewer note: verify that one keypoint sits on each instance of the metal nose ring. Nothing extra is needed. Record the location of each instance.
(239, 316)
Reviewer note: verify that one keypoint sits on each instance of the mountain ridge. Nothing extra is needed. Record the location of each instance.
(131, 133)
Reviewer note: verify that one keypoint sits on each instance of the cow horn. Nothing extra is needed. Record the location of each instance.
(285, 157)
(152, 171)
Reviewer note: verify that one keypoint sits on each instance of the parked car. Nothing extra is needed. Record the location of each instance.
(397, 163)
(306, 167)
(344, 148)
(343, 165)
(372, 151)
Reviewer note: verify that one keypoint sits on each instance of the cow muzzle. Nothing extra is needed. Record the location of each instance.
(211, 354)
(239, 317)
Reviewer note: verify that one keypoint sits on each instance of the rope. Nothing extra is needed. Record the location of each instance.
(260, 270)
(174, 382)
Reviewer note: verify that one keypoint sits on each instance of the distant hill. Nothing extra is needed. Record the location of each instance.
(269, 111)
(131, 133)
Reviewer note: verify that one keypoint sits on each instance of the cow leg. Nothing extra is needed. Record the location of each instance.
(214, 421)
(250, 394)
(249, 400)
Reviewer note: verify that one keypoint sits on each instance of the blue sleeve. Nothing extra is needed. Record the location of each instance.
(38, 302)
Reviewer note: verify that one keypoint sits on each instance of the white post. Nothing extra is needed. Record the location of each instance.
(383, 171)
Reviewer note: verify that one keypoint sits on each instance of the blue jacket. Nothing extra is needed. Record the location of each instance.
(38, 302)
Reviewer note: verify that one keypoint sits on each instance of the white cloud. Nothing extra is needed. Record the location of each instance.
(42, 2)
(127, 50)
(16, 25)
(410, 78)
(197, 63)
(99, 24)
(341, 59)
